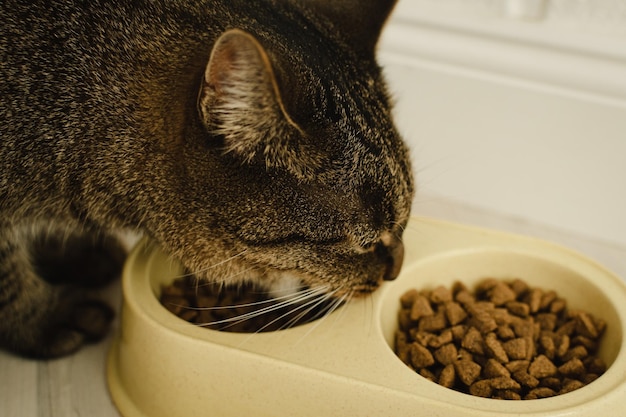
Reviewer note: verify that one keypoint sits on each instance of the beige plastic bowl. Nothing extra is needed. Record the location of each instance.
(343, 365)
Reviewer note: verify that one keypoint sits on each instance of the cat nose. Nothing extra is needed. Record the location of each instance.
(392, 253)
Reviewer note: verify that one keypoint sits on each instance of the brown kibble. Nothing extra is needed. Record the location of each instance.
(518, 366)
(542, 367)
(455, 313)
(495, 348)
(572, 368)
(563, 346)
(551, 382)
(549, 348)
(433, 323)
(473, 341)
(538, 393)
(546, 299)
(519, 287)
(440, 295)
(467, 371)
(595, 366)
(508, 395)
(504, 383)
(578, 352)
(505, 340)
(494, 369)
(505, 332)
(534, 299)
(447, 378)
(408, 298)
(585, 325)
(501, 294)
(518, 308)
(547, 321)
(447, 354)
(515, 348)
(420, 356)
(524, 327)
(428, 374)
(458, 332)
(420, 308)
(557, 306)
(571, 385)
(465, 297)
(443, 338)
(423, 338)
(526, 379)
(481, 388)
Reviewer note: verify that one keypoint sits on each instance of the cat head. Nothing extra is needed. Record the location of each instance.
(294, 169)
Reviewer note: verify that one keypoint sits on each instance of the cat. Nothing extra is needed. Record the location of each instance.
(252, 139)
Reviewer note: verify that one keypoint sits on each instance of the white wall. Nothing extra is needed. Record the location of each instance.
(523, 117)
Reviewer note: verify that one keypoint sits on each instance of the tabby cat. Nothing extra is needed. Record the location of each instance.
(252, 139)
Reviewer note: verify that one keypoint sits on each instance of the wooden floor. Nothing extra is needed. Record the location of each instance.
(76, 386)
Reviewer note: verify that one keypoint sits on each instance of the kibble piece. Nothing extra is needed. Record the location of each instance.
(433, 323)
(481, 388)
(420, 308)
(494, 369)
(467, 371)
(440, 295)
(538, 393)
(458, 332)
(517, 366)
(495, 348)
(585, 325)
(547, 321)
(518, 308)
(473, 341)
(542, 367)
(447, 354)
(455, 313)
(557, 306)
(420, 356)
(572, 368)
(548, 346)
(408, 298)
(465, 297)
(571, 385)
(515, 348)
(551, 382)
(507, 395)
(428, 374)
(579, 352)
(504, 383)
(595, 366)
(534, 299)
(501, 294)
(447, 378)
(505, 332)
(526, 379)
(442, 339)
(519, 287)
(546, 299)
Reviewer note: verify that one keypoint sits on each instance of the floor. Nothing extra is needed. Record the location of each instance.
(76, 386)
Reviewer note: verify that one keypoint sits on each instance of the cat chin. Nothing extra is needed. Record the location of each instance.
(285, 285)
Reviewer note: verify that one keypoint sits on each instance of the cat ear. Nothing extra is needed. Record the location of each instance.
(241, 102)
(360, 21)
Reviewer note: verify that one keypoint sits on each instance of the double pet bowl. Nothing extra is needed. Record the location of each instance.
(344, 364)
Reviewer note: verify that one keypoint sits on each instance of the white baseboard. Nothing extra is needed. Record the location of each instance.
(516, 118)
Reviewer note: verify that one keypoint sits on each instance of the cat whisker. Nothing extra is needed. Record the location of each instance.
(291, 301)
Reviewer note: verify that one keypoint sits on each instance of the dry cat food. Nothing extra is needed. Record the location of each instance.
(505, 340)
(242, 308)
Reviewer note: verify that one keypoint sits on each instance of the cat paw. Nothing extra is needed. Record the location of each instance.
(86, 322)
(84, 261)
